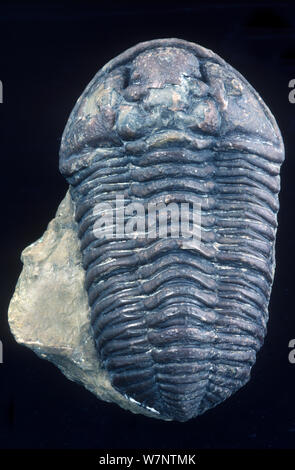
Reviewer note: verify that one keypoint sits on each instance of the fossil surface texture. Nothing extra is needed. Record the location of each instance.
(176, 322)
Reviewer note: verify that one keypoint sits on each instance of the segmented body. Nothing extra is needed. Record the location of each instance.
(169, 121)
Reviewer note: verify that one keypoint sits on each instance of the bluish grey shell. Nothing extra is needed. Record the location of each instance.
(167, 120)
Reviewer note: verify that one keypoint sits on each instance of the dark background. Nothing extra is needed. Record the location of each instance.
(48, 54)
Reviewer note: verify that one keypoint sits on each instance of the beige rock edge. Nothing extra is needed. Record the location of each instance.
(49, 310)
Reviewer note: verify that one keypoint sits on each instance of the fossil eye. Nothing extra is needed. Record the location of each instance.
(135, 77)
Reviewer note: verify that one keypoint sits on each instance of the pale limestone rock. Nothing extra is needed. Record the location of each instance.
(49, 310)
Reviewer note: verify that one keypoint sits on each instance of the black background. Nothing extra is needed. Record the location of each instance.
(48, 54)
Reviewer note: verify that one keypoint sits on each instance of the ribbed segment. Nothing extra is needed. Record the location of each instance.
(178, 329)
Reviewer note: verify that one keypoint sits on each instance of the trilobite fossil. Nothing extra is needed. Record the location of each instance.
(169, 121)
